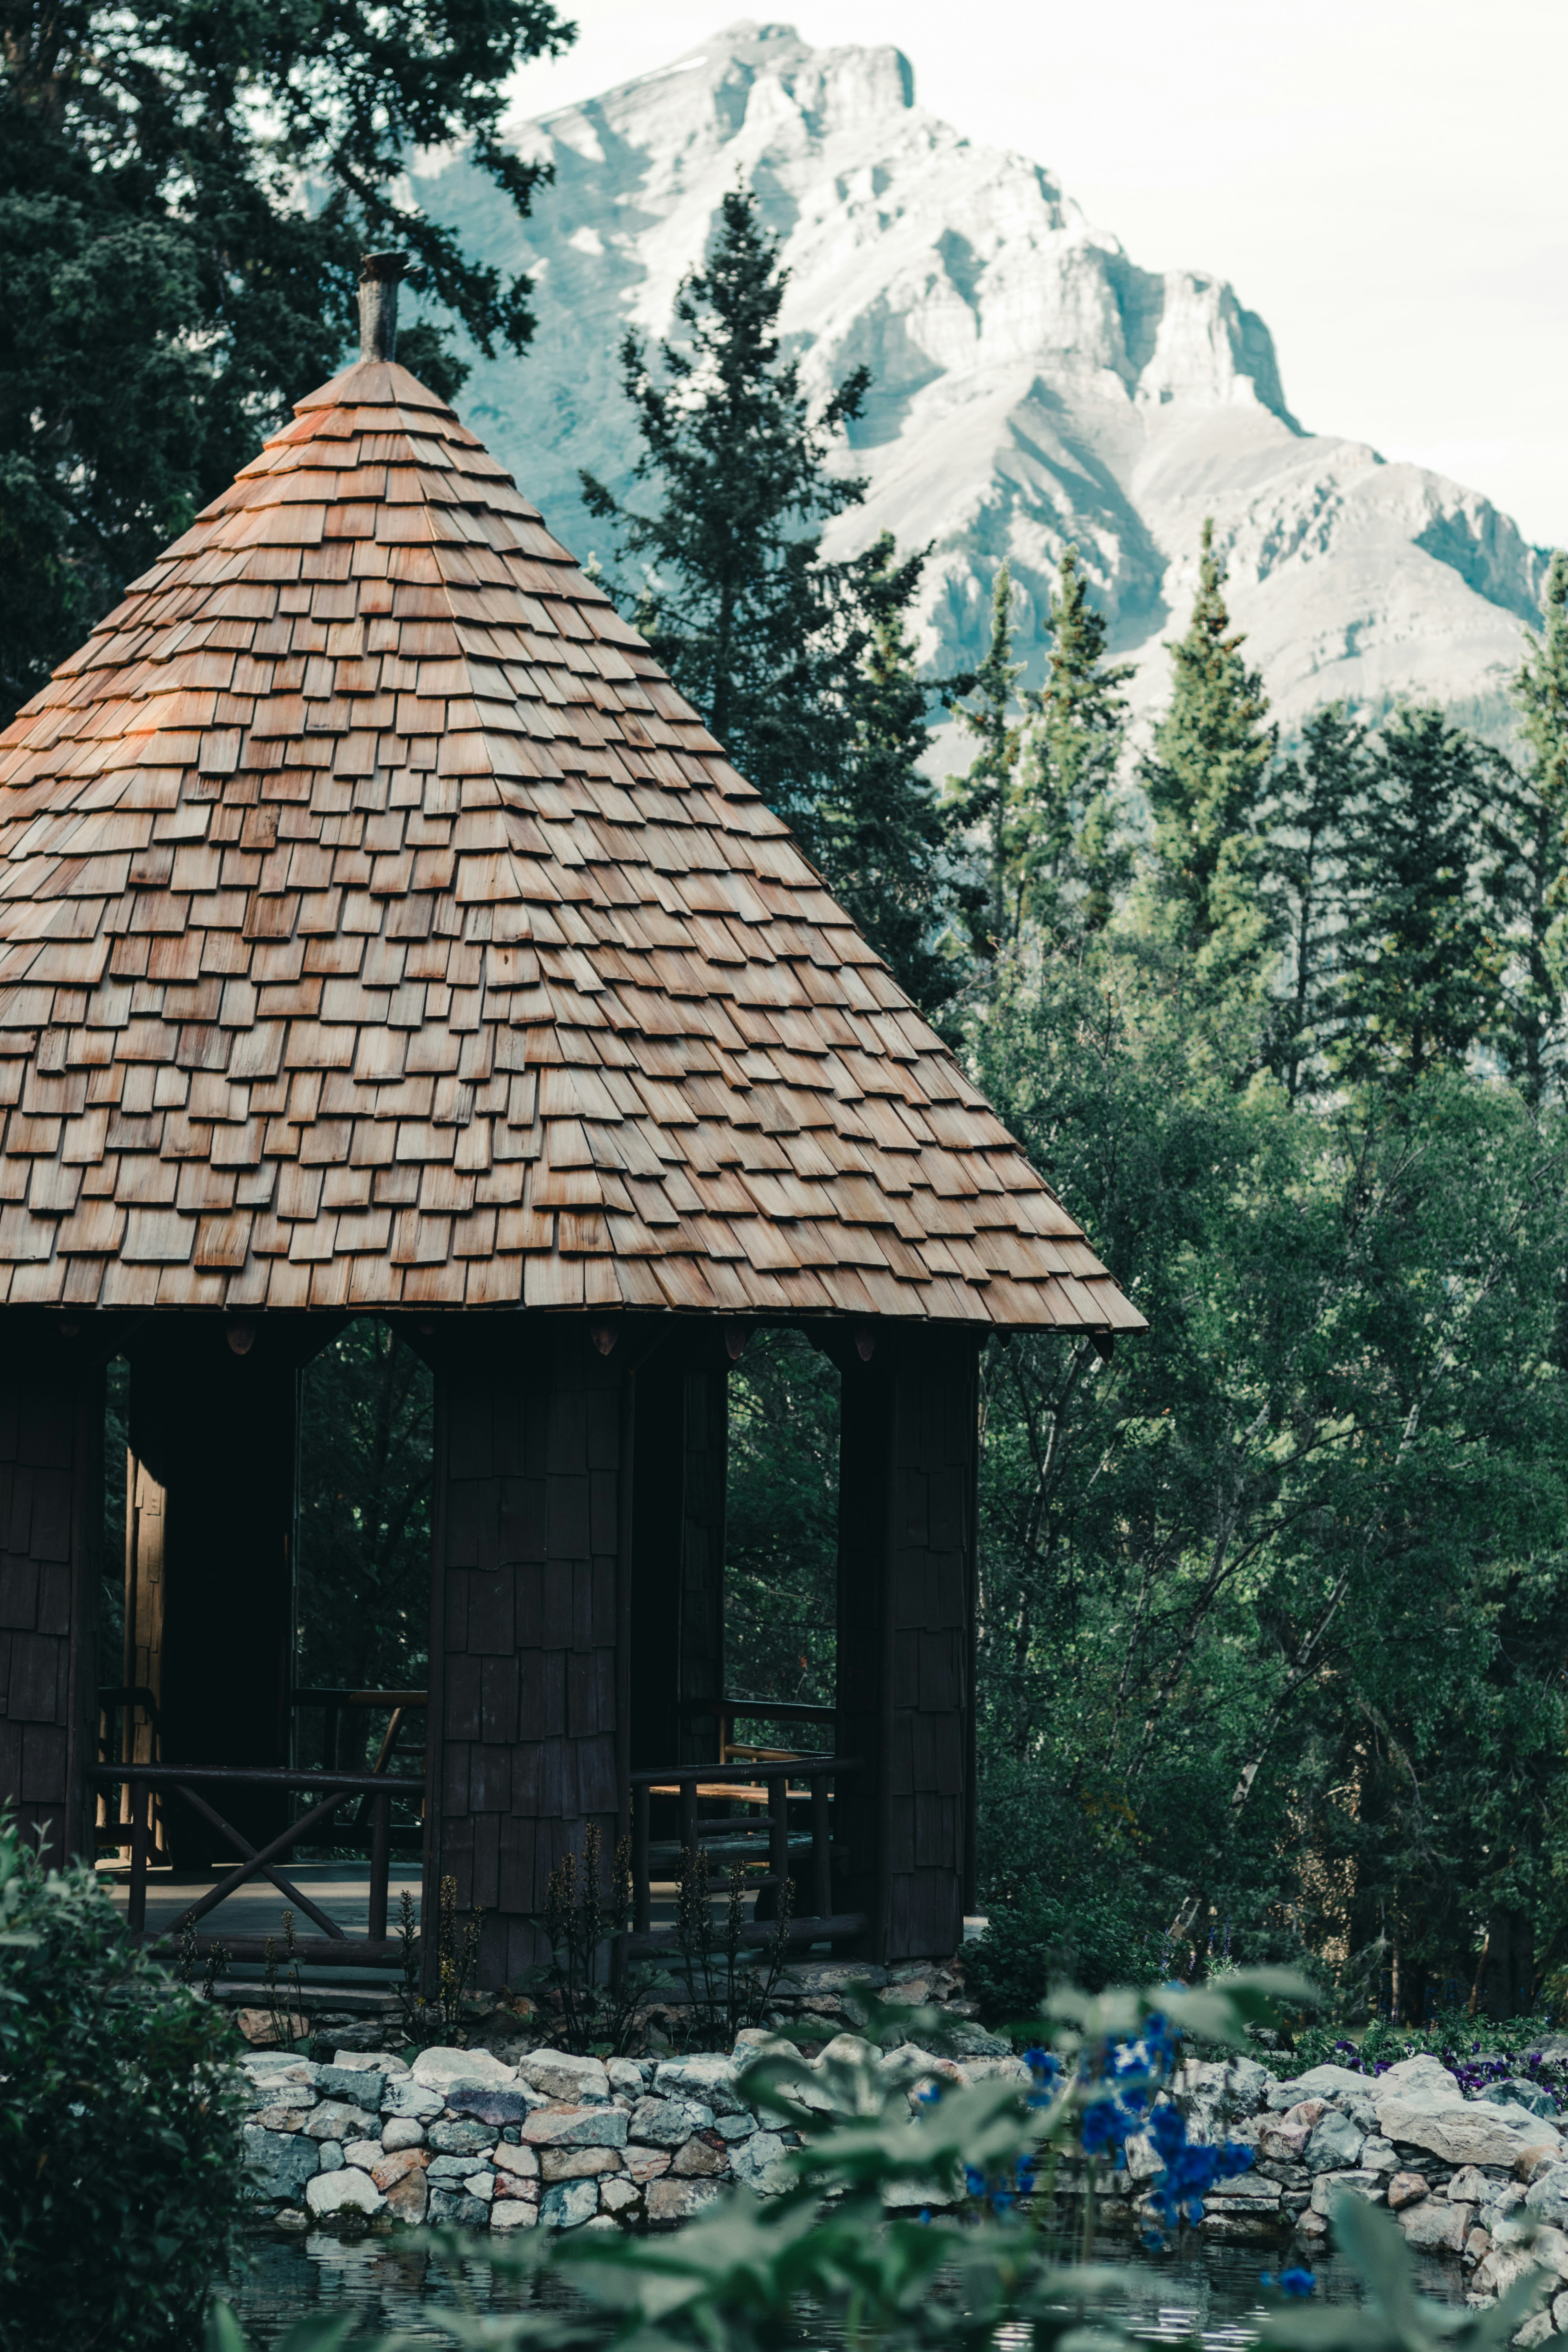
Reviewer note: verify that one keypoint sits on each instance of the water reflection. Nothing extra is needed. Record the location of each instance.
(1196, 2289)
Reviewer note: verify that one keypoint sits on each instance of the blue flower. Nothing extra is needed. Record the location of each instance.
(974, 2180)
(1295, 2282)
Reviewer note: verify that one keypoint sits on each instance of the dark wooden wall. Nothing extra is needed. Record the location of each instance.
(909, 1457)
(51, 1519)
(529, 1450)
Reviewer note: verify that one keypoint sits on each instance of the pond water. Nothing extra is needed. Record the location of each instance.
(1196, 2289)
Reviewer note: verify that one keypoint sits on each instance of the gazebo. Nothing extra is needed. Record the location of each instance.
(381, 933)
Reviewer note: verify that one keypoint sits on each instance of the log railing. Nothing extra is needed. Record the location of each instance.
(748, 1835)
(336, 1946)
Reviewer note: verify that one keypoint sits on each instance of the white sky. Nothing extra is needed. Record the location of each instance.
(1381, 179)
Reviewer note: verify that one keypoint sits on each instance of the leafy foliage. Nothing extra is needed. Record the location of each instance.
(168, 291)
(120, 2136)
(782, 1530)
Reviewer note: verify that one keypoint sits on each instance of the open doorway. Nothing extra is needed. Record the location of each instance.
(362, 1579)
(781, 1634)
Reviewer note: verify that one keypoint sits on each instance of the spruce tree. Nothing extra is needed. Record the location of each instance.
(1527, 839)
(1072, 859)
(1316, 794)
(1417, 968)
(1208, 770)
(167, 291)
(985, 798)
(881, 833)
(757, 631)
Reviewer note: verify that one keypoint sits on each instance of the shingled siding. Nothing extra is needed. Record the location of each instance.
(910, 1455)
(523, 1736)
(51, 1421)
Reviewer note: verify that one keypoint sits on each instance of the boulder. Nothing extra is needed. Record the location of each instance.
(1467, 2132)
(1518, 2091)
(1411, 2073)
(576, 2126)
(398, 2167)
(1328, 2186)
(618, 2196)
(1377, 2155)
(665, 2123)
(334, 2119)
(511, 2213)
(697, 2159)
(493, 2107)
(453, 2209)
(568, 2204)
(565, 2079)
(734, 2127)
(577, 2163)
(677, 2201)
(758, 2162)
(481, 2185)
(1438, 2226)
(366, 2153)
(522, 2162)
(644, 2164)
(1335, 2145)
(408, 2098)
(1406, 2188)
(348, 2191)
(409, 2198)
(1546, 2198)
(461, 2138)
(707, 2077)
(1317, 2082)
(1467, 2185)
(471, 2069)
(627, 2075)
(361, 2088)
(402, 2131)
(278, 2164)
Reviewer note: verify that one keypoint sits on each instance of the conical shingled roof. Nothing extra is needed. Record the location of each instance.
(379, 928)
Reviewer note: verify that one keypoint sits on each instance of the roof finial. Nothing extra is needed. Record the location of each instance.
(378, 276)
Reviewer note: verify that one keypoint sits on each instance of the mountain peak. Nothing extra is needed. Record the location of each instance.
(1033, 387)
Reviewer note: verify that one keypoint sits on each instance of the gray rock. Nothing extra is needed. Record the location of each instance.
(759, 2163)
(1377, 2155)
(1335, 2145)
(335, 2119)
(1438, 2226)
(401, 2131)
(1317, 2082)
(708, 2077)
(1468, 2186)
(1471, 2132)
(462, 2138)
(481, 2185)
(362, 2089)
(407, 2097)
(454, 2209)
(344, 2192)
(677, 2201)
(1329, 2185)
(473, 2069)
(278, 2164)
(973, 2041)
(556, 2075)
(1411, 2074)
(576, 2126)
(736, 2126)
(569, 2203)
(1519, 2092)
(665, 2123)
(627, 2075)
(332, 2157)
(493, 2107)
(1547, 2198)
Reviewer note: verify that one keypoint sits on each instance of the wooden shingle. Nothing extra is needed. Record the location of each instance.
(380, 928)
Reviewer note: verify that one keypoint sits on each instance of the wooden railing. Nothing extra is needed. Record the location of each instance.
(752, 1837)
(337, 1946)
(764, 1710)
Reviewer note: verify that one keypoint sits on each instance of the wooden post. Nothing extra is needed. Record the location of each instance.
(380, 1864)
(136, 1907)
(642, 1894)
(821, 1848)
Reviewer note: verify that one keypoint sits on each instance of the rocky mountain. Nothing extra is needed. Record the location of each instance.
(1033, 385)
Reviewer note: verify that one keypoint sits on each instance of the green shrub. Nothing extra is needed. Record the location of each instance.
(121, 2150)
(1037, 1936)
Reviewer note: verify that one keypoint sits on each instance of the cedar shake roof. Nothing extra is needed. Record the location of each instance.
(380, 929)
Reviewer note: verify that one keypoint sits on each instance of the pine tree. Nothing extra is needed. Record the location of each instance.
(1209, 768)
(756, 630)
(1417, 971)
(1072, 861)
(1527, 837)
(985, 798)
(882, 835)
(1302, 880)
